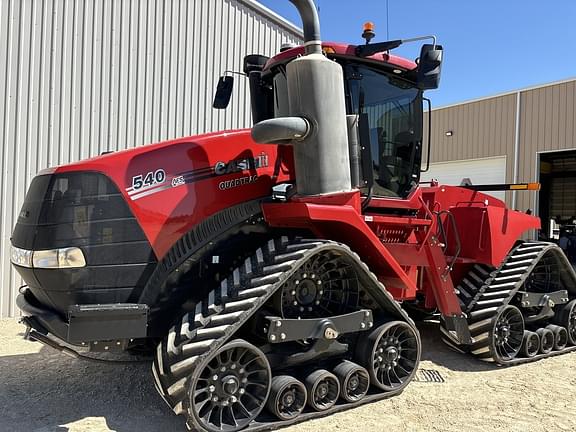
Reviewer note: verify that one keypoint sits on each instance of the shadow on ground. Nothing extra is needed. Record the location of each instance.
(436, 351)
(45, 391)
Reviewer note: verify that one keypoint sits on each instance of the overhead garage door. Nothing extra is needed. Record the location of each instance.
(479, 171)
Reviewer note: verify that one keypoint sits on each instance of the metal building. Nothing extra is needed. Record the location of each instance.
(81, 77)
(527, 135)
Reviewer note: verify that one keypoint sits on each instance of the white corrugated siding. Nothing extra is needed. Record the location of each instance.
(79, 77)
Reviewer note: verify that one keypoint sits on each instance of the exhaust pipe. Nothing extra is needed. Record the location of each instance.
(316, 126)
(281, 130)
(310, 24)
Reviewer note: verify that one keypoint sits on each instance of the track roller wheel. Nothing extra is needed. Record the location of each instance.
(391, 354)
(354, 381)
(287, 397)
(230, 388)
(530, 344)
(560, 336)
(507, 334)
(546, 340)
(323, 389)
(566, 317)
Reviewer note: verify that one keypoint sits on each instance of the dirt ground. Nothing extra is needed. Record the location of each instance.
(43, 390)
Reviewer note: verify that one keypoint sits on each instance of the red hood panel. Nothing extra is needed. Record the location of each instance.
(172, 186)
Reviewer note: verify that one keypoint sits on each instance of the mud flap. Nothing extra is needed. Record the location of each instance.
(457, 328)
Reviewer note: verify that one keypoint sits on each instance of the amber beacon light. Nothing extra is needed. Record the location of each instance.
(368, 32)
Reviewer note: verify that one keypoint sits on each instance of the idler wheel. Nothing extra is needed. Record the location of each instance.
(230, 389)
(566, 318)
(354, 381)
(530, 344)
(391, 354)
(546, 340)
(287, 397)
(560, 336)
(507, 333)
(323, 389)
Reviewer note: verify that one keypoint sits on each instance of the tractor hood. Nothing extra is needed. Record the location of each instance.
(171, 186)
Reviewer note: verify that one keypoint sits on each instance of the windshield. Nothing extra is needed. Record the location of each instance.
(394, 110)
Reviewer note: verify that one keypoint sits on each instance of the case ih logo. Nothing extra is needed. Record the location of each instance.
(239, 165)
(157, 181)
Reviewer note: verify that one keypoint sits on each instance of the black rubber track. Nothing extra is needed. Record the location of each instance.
(484, 292)
(215, 320)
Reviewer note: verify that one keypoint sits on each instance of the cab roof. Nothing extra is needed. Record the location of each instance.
(342, 50)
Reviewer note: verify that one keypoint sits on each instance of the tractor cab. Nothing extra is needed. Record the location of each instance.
(383, 91)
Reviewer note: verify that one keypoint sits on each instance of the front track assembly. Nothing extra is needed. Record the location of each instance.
(302, 329)
(523, 311)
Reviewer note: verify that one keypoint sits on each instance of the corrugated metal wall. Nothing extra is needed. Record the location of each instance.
(487, 127)
(547, 122)
(480, 129)
(79, 77)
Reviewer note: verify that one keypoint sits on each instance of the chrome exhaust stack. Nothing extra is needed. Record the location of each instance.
(316, 98)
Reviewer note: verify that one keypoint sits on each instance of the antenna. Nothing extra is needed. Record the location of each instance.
(387, 23)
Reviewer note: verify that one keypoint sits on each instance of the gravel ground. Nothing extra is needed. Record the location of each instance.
(43, 390)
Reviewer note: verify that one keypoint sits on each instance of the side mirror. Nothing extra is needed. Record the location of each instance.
(429, 67)
(254, 62)
(223, 92)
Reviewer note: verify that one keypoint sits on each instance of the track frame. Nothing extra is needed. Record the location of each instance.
(215, 320)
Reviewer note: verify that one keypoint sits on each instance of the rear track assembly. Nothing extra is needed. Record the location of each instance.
(513, 311)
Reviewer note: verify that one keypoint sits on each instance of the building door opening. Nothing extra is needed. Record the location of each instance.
(557, 199)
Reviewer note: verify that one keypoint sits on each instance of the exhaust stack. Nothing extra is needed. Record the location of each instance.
(315, 96)
(310, 24)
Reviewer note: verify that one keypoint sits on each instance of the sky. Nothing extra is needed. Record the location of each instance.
(490, 46)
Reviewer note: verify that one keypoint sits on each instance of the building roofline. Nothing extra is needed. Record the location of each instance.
(273, 16)
(508, 93)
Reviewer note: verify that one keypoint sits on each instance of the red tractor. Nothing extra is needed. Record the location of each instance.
(273, 271)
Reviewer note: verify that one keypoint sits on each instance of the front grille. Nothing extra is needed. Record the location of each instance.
(75, 209)
(85, 210)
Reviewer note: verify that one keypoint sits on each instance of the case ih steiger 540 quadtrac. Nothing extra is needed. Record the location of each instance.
(272, 270)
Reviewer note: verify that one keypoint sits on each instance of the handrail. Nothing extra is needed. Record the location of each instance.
(456, 255)
(431, 215)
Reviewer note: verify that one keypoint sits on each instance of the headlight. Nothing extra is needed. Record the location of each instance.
(21, 257)
(71, 257)
(50, 259)
(45, 259)
(59, 258)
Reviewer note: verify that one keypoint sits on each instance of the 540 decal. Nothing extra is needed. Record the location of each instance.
(155, 181)
(149, 179)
